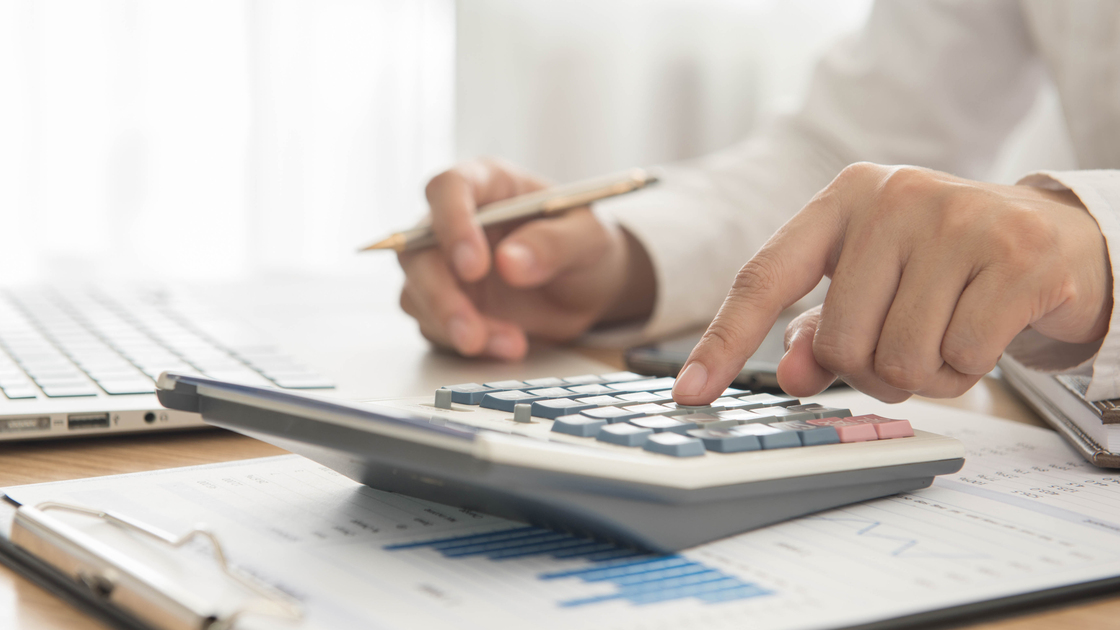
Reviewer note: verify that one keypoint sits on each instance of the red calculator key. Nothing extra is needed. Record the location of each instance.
(888, 428)
(858, 429)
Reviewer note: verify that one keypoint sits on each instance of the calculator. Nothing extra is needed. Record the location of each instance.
(607, 456)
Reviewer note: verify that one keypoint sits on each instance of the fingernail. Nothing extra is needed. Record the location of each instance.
(521, 255)
(460, 332)
(503, 345)
(691, 382)
(464, 258)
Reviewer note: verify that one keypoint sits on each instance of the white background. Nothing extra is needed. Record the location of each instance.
(217, 139)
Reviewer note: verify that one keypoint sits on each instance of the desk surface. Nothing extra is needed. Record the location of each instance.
(24, 606)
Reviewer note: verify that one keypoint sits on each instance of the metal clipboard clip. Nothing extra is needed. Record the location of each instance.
(133, 587)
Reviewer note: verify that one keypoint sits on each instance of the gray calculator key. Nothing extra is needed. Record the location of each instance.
(611, 414)
(505, 400)
(810, 434)
(725, 441)
(618, 377)
(582, 426)
(601, 401)
(591, 389)
(820, 411)
(661, 424)
(523, 412)
(583, 379)
(727, 402)
(769, 437)
(770, 400)
(550, 381)
(552, 408)
(550, 392)
(708, 420)
(623, 434)
(684, 410)
(744, 416)
(648, 409)
(646, 397)
(508, 385)
(468, 393)
(444, 398)
(784, 414)
(674, 444)
(731, 391)
(650, 385)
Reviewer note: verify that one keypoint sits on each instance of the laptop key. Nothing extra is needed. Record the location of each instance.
(21, 393)
(121, 388)
(69, 391)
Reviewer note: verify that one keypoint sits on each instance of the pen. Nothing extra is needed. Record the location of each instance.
(541, 203)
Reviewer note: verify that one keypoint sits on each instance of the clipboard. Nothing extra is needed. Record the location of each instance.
(123, 590)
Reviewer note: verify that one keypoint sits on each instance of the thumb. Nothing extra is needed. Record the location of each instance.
(540, 250)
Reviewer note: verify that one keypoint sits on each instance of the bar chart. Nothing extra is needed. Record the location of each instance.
(639, 578)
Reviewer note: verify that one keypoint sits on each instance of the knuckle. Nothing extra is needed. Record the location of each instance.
(909, 182)
(441, 182)
(835, 353)
(962, 354)
(722, 337)
(900, 375)
(760, 277)
(857, 172)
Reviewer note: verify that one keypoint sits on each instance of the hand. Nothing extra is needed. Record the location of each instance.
(932, 277)
(484, 293)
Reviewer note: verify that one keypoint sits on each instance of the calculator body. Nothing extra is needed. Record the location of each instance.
(481, 460)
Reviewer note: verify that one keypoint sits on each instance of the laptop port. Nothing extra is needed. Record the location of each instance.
(87, 421)
(12, 425)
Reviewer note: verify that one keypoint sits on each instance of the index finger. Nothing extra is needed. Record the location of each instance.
(787, 267)
(454, 197)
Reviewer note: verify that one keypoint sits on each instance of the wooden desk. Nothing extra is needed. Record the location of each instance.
(24, 606)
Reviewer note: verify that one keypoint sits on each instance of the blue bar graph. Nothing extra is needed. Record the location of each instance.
(639, 578)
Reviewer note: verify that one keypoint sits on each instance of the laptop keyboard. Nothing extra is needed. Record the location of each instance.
(635, 411)
(91, 343)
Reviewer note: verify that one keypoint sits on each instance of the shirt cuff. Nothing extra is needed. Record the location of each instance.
(1099, 190)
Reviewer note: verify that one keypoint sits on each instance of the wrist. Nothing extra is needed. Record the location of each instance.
(638, 292)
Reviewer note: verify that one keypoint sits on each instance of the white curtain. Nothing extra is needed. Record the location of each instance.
(215, 138)
(580, 87)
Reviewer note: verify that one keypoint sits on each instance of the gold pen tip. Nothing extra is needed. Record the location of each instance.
(395, 242)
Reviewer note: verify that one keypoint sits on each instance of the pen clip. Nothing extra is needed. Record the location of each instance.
(31, 524)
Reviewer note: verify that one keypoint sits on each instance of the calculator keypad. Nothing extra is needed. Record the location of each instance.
(635, 411)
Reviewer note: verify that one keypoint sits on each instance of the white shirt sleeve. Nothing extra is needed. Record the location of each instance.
(1100, 192)
(935, 83)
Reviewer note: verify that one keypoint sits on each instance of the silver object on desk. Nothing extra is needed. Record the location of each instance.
(129, 585)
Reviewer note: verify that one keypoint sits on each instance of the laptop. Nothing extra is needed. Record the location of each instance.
(82, 361)
(1092, 427)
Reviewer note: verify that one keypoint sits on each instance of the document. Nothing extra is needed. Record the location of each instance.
(1025, 514)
